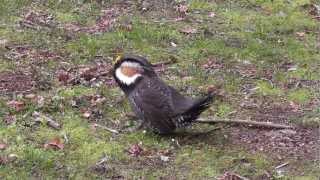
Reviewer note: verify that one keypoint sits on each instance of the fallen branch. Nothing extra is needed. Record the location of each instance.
(247, 122)
(106, 128)
(39, 117)
(229, 121)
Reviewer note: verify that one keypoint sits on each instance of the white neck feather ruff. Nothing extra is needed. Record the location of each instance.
(128, 80)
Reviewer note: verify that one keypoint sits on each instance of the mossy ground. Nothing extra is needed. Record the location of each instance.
(266, 49)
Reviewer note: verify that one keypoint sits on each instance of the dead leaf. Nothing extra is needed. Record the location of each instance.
(87, 114)
(188, 30)
(40, 101)
(212, 63)
(178, 19)
(30, 96)
(97, 99)
(212, 88)
(300, 34)
(3, 160)
(135, 150)
(182, 9)
(63, 77)
(294, 106)
(3, 146)
(104, 22)
(88, 73)
(212, 14)
(72, 27)
(17, 105)
(55, 143)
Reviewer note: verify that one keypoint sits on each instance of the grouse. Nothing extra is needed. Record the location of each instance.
(160, 107)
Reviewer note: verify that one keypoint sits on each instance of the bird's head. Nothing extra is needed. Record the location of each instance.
(128, 70)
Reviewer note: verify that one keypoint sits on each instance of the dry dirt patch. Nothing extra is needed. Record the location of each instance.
(299, 143)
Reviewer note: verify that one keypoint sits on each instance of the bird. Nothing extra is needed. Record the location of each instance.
(160, 107)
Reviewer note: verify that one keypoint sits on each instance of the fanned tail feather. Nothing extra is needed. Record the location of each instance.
(193, 113)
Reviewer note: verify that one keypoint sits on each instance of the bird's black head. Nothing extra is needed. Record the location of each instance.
(129, 70)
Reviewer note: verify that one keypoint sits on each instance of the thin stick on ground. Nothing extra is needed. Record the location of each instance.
(246, 122)
(230, 121)
(106, 128)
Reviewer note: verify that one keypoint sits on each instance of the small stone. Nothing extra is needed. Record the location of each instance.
(164, 158)
(212, 14)
(173, 44)
(86, 114)
(3, 146)
(12, 157)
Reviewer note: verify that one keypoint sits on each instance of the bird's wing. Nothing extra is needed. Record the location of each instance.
(191, 114)
(153, 99)
(180, 103)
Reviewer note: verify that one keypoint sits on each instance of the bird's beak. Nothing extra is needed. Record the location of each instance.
(117, 59)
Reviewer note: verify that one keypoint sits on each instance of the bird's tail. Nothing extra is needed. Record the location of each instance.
(201, 105)
(193, 113)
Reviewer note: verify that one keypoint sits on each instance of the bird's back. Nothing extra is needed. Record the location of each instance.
(163, 108)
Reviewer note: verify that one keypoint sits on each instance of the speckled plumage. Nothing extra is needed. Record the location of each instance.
(160, 107)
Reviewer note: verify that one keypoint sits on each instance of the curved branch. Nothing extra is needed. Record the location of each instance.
(246, 122)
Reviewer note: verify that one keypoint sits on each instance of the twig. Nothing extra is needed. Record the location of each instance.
(39, 117)
(248, 122)
(229, 121)
(102, 160)
(106, 128)
(282, 165)
(53, 124)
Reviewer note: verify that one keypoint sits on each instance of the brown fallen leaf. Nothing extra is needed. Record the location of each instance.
(30, 96)
(135, 150)
(3, 160)
(188, 30)
(178, 19)
(212, 14)
(182, 9)
(87, 114)
(63, 77)
(17, 105)
(55, 143)
(294, 106)
(300, 34)
(3, 146)
(212, 63)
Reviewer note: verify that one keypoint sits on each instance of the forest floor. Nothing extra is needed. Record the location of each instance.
(58, 96)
